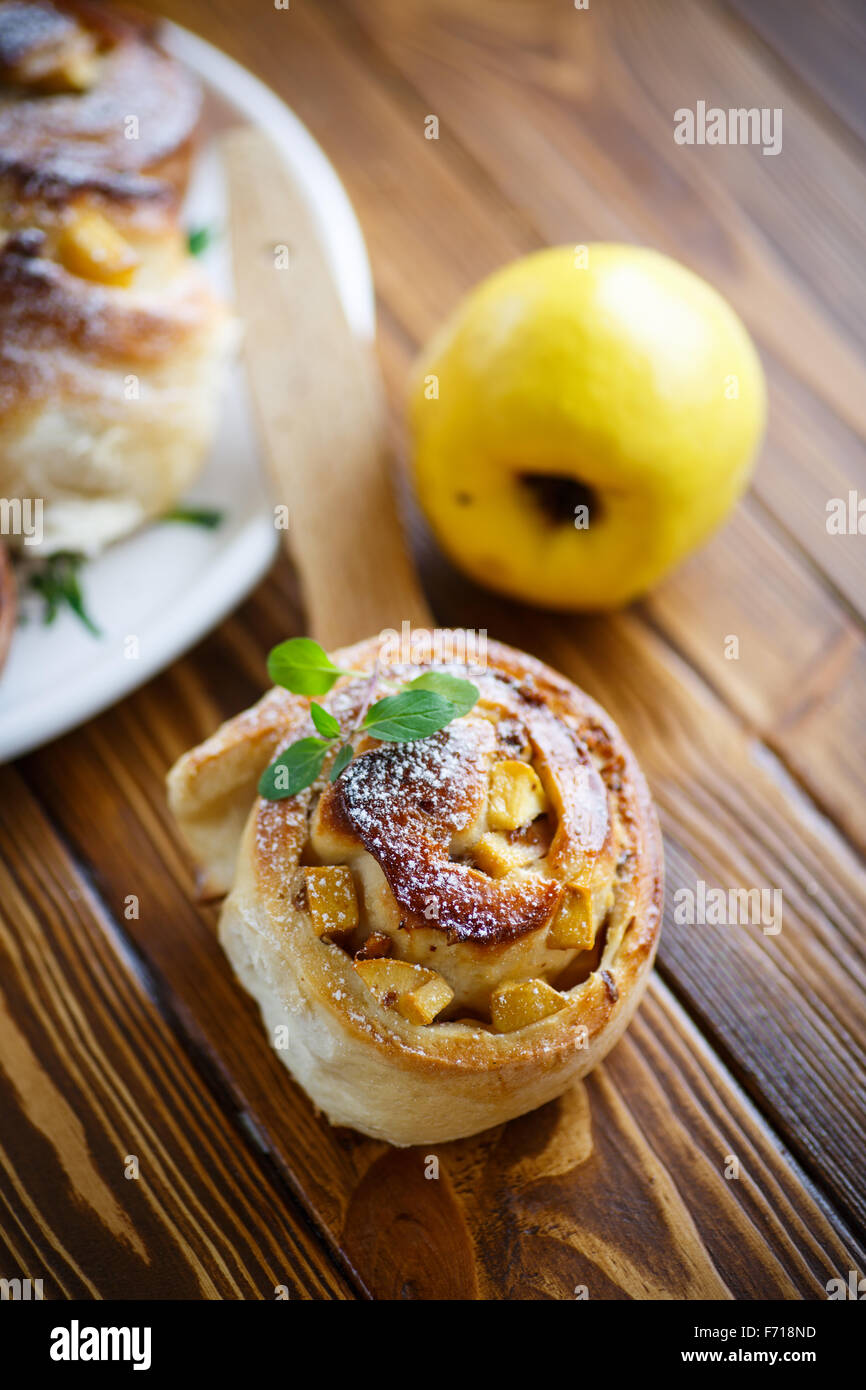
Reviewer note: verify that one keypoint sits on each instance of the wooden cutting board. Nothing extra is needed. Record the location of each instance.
(7, 604)
(320, 409)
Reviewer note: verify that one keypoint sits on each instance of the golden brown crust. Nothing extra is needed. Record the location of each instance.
(212, 787)
(108, 396)
(45, 311)
(112, 344)
(405, 803)
(58, 147)
(358, 1057)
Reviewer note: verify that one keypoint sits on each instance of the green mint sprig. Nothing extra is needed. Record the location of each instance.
(198, 239)
(302, 667)
(58, 584)
(210, 518)
(416, 710)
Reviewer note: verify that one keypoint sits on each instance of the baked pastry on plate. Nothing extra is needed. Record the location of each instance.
(455, 928)
(111, 341)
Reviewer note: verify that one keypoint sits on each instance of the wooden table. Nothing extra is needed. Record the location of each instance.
(122, 1032)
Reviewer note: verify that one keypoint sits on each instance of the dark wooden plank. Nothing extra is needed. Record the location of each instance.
(822, 733)
(467, 67)
(528, 1210)
(825, 45)
(540, 1200)
(795, 675)
(733, 820)
(784, 627)
(465, 1235)
(582, 145)
(353, 79)
(89, 1075)
(749, 582)
(810, 458)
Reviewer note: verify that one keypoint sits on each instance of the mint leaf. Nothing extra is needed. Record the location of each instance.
(302, 667)
(428, 704)
(294, 769)
(58, 583)
(208, 517)
(342, 760)
(411, 714)
(198, 239)
(324, 722)
(459, 693)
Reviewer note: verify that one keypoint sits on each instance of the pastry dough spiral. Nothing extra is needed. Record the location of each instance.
(111, 342)
(456, 929)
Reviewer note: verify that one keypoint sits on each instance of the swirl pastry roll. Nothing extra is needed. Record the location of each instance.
(111, 342)
(457, 928)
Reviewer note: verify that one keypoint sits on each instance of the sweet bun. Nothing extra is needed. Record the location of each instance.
(107, 394)
(111, 342)
(91, 106)
(457, 928)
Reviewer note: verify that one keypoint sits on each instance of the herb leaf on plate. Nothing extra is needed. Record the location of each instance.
(198, 239)
(58, 584)
(208, 517)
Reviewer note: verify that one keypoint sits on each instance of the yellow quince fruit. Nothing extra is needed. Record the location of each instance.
(586, 418)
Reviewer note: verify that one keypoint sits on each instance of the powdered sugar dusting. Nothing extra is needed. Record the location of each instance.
(55, 144)
(406, 801)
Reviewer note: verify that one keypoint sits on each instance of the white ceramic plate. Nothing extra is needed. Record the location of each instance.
(171, 583)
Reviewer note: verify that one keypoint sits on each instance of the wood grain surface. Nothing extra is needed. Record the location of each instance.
(125, 1034)
(106, 1123)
